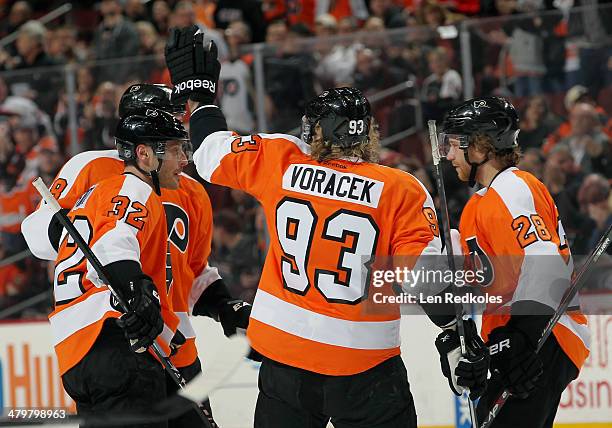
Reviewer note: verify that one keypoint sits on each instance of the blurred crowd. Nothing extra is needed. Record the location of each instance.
(60, 84)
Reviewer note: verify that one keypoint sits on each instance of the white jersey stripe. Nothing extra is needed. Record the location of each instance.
(310, 325)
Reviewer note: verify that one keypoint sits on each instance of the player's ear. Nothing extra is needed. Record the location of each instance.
(142, 153)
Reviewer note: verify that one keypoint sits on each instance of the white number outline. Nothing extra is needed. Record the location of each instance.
(68, 286)
(287, 258)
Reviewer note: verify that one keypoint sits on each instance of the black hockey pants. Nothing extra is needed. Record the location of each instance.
(190, 419)
(111, 379)
(539, 409)
(294, 398)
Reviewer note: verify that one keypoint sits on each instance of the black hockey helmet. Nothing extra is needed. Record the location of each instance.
(343, 114)
(152, 127)
(491, 116)
(144, 96)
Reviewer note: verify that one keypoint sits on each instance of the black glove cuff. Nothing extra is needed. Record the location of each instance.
(441, 314)
(55, 229)
(212, 300)
(203, 122)
(121, 273)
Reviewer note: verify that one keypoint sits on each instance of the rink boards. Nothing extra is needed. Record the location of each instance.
(28, 372)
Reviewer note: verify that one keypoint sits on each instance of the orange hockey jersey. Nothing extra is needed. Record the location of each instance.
(512, 229)
(326, 222)
(121, 218)
(189, 240)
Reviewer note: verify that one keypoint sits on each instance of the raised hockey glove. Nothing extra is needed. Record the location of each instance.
(514, 360)
(194, 68)
(234, 317)
(143, 323)
(464, 372)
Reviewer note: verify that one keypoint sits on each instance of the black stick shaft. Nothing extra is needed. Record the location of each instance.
(577, 283)
(170, 368)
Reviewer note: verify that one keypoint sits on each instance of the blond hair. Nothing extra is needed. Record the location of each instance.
(505, 158)
(322, 150)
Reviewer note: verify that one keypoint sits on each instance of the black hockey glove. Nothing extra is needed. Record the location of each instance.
(177, 341)
(514, 360)
(143, 323)
(462, 372)
(234, 317)
(194, 68)
(217, 303)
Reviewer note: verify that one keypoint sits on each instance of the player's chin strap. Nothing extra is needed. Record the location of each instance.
(474, 165)
(154, 174)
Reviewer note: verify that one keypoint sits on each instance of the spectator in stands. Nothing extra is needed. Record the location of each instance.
(135, 10)
(326, 25)
(115, 37)
(589, 146)
(148, 37)
(31, 54)
(336, 65)
(374, 24)
(289, 77)
(387, 11)
(101, 118)
(184, 15)
(524, 37)
(532, 162)
(63, 46)
(591, 27)
(442, 88)
(160, 16)
(248, 11)
(26, 135)
(236, 94)
(577, 94)
(231, 245)
(10, 163)
(13, 279)
(29, 48)
(434, 14)
(595, 200)
(537, 123)
(20, 13)
(371, 74)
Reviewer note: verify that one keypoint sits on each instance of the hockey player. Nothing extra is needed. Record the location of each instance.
(330, 209)
(122, 219)
(192, 285)
(511, 226)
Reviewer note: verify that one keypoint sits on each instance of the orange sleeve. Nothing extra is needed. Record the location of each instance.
(74, 179)
(243, 162)
(415, 222)
(202, 238)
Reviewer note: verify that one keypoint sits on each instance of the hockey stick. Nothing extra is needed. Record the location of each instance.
(433, 137)
(227, 359)
(577, 283)
(55, 207)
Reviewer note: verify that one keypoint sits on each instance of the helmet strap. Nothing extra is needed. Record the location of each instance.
(155, 177)
(474, 167)
(154, 174)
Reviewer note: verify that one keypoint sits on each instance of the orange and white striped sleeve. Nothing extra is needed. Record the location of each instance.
(75, 178)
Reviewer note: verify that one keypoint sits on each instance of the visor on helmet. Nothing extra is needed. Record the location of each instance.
(445, 140)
